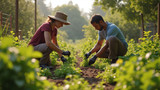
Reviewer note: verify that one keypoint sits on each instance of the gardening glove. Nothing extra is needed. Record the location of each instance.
(92, 60)
(87, 55)
(63, 59)
(66, 53)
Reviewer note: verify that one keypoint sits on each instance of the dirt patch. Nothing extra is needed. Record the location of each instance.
(88, 73)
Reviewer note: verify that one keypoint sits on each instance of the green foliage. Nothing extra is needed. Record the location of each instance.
(108, 75)
(54, 56)
(76, 83)
(131, 9)
(18, 69)
(101, 63)
(66, 69)
(85, 48)
(26, 14)
(45, 72)
(90, 32)
(146, 45)
(136, 74)
(74, 30)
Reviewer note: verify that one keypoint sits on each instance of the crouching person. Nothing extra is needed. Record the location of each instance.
(115, 43)
(45, 38)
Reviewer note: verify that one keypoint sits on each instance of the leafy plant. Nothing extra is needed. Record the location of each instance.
(18, 69)
(135, 74)
(76, 83)
(66, 69)
(45, 72)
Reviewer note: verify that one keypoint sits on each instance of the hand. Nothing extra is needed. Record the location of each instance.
(66, 53)
(87, 55)
(92, 60)
(63, 59)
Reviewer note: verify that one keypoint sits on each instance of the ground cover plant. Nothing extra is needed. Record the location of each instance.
(138, 69)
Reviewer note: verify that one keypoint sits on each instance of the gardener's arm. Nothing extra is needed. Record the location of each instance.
(54, 40)
(104, 48)
(97, 47)
(47, 37)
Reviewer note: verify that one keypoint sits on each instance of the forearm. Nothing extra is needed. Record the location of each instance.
(55, 48)
(96, 48)
(103, 49)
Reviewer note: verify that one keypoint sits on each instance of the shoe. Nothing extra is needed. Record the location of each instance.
(114, 60)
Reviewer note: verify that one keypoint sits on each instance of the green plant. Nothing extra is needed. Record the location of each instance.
(45, 72)
(74, 82)
(108, 75)
(18, 69)
(66, 69)
(136, 74)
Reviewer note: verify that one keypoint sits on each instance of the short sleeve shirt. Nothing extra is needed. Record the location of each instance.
(38, 37)
(112, 30)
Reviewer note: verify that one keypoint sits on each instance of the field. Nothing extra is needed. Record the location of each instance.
(139, 69)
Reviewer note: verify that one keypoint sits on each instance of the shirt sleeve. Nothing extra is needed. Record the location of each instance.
(112, 32)
(46, 27)
(100, 36)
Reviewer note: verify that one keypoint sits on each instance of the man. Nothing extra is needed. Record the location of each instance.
(115, 44)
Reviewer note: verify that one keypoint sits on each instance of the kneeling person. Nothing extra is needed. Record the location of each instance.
(115, 43)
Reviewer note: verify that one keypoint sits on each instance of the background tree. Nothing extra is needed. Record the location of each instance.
(74, 30)
(43, 9)
(26, 14)
(97, 10)
(131, 9)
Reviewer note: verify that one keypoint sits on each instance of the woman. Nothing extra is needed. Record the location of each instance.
(45, 38)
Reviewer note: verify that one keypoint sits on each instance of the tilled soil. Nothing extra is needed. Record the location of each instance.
(88, 73)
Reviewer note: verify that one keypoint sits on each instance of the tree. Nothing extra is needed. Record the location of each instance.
(97, 10)
(26, 14)
(131, 9)
(43, 9)
(74, 30)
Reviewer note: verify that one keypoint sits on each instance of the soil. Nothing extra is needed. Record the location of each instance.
(88, 73)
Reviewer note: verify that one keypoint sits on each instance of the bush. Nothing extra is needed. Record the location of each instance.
(17, 70)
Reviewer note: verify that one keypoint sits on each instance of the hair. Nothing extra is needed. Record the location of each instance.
(51, 20)
(96, 19)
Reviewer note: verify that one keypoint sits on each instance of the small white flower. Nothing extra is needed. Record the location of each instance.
(79, 82)
(138, 68)
(139, 58)
(33, 60)
(114, 76)
(66, 87)
(148, 55)
(157, 74)
(13, 49)
(42, 78)
(115, 65)
(124, 86)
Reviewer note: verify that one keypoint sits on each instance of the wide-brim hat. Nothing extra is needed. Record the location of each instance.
(59, 16)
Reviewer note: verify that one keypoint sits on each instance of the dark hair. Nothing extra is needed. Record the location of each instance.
(96, 18)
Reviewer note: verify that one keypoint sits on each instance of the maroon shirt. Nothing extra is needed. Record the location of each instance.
(38, 37)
